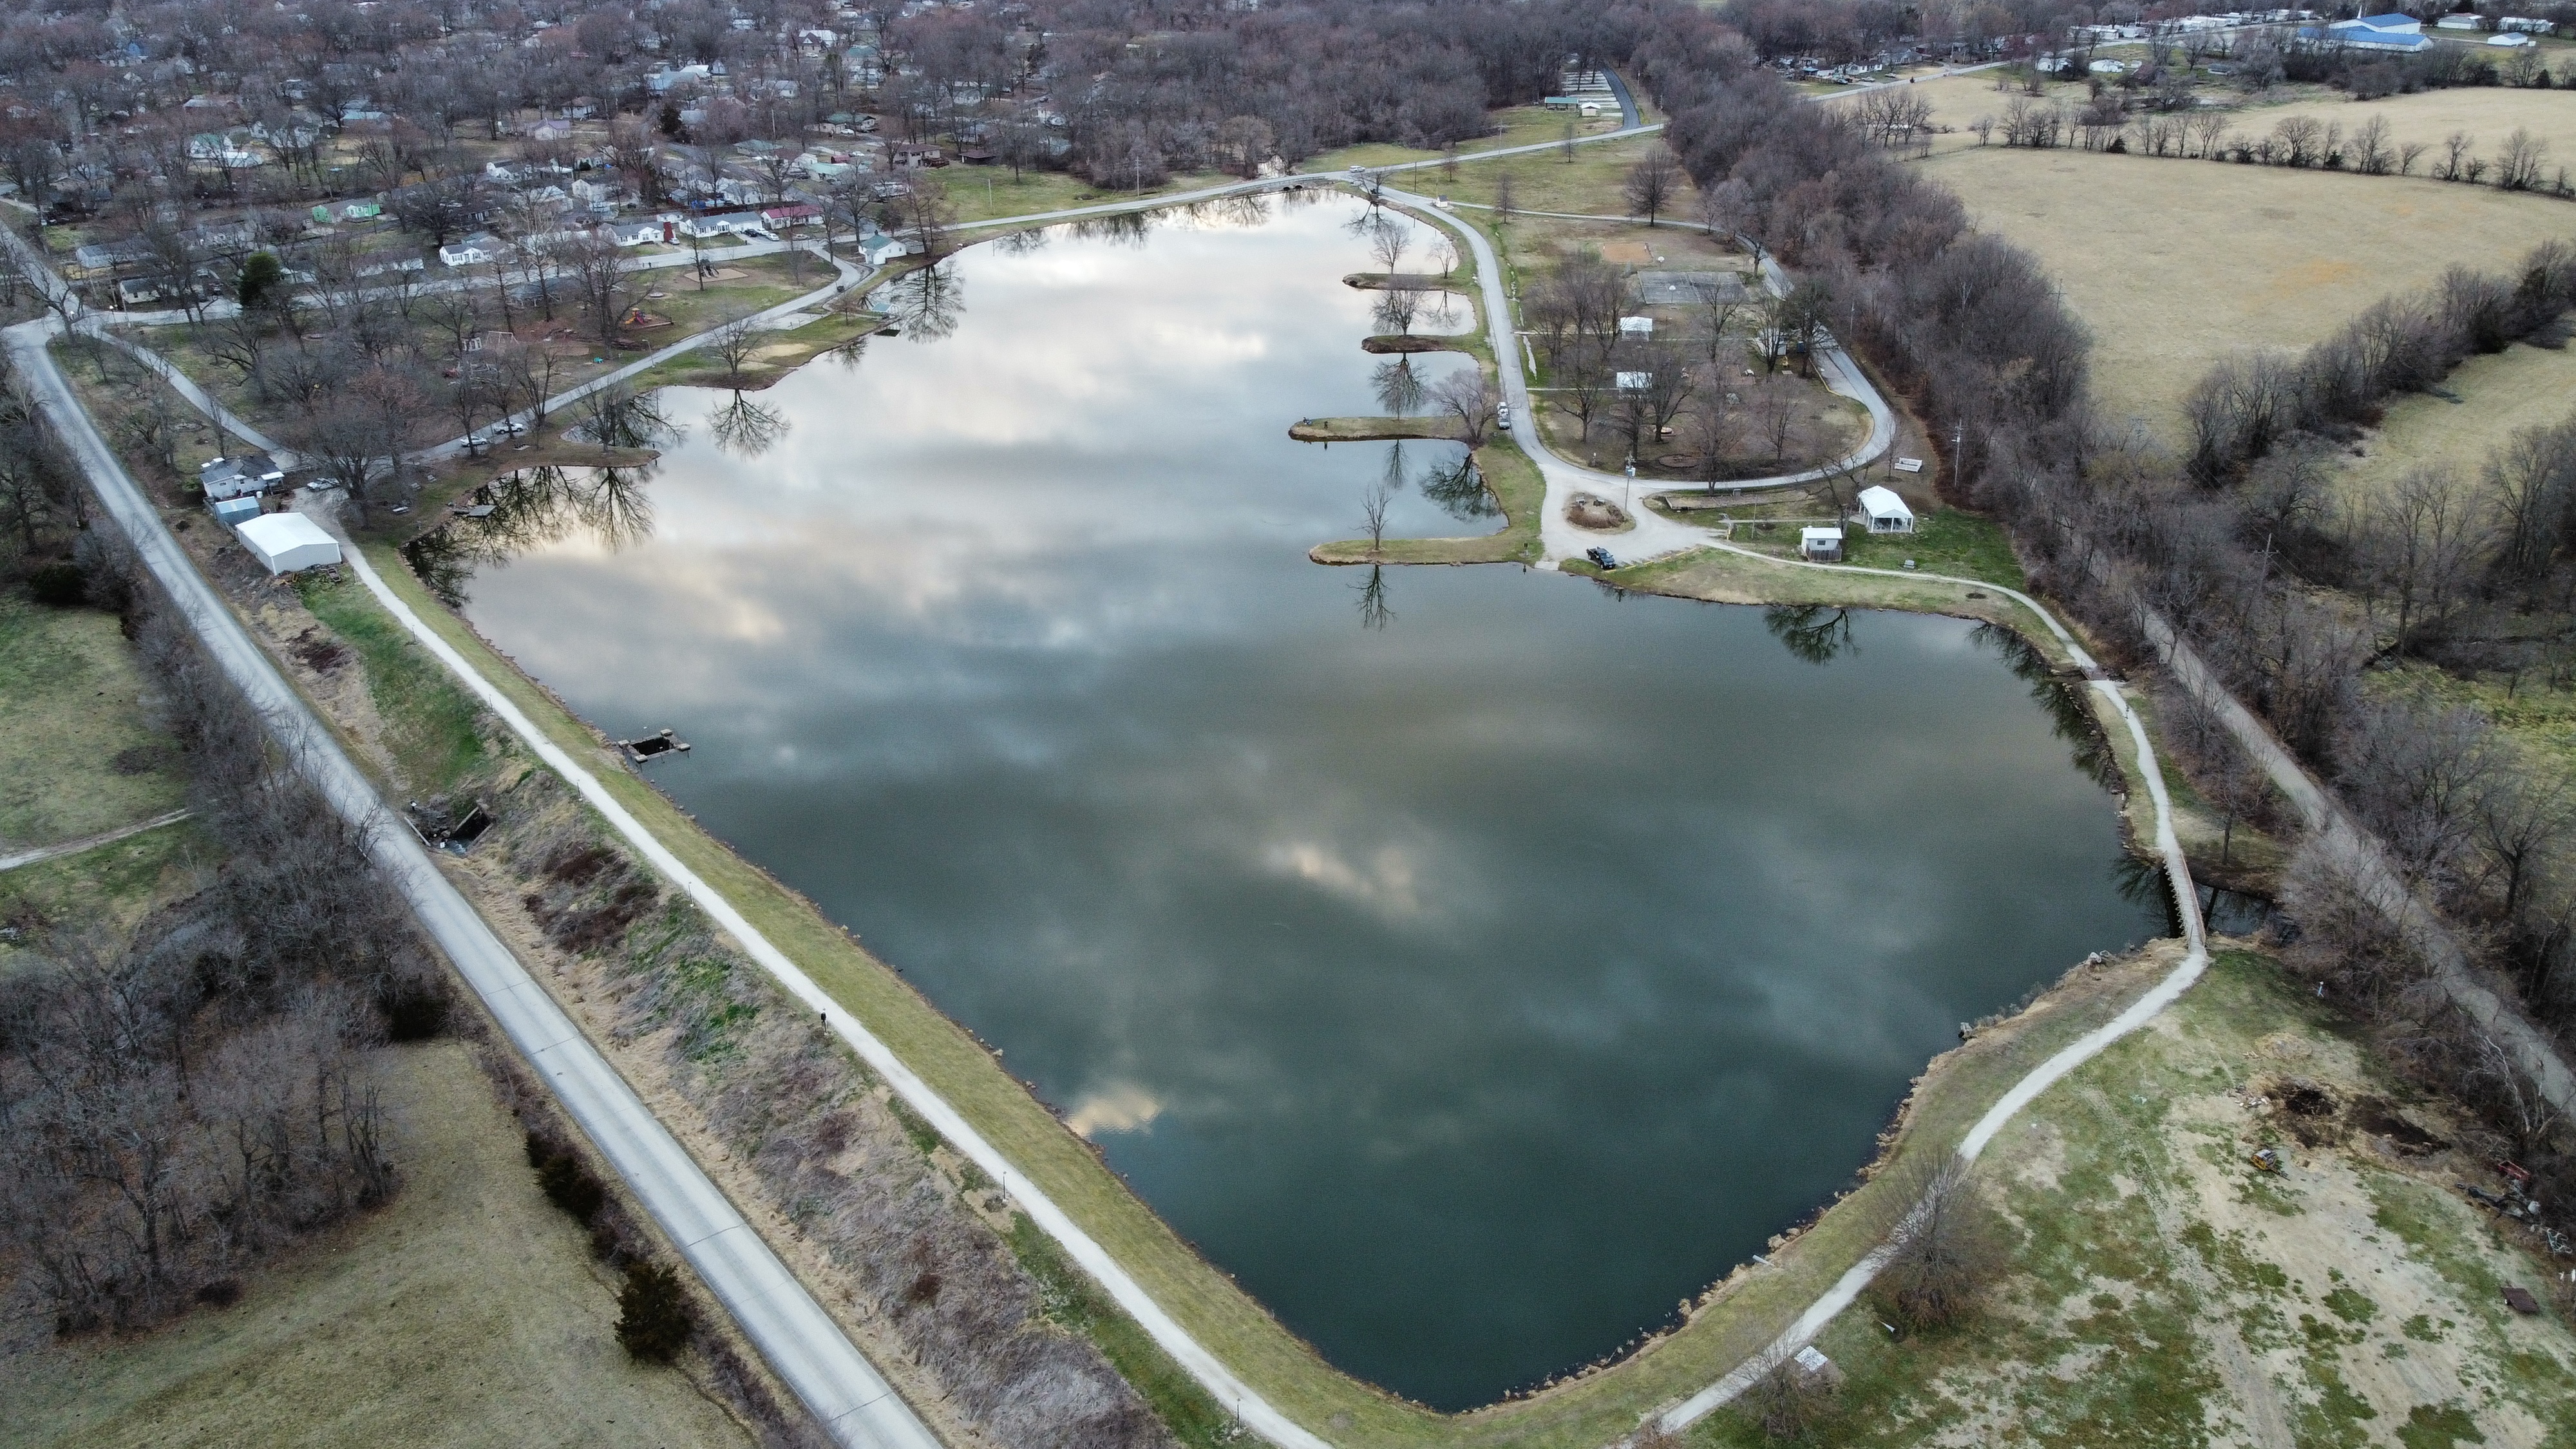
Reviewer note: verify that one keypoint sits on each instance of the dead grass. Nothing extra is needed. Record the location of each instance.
(468, 1312)
(77, 756)
(2498, 394)
(2164, 1293)
(2176, 264)
(2486, 113)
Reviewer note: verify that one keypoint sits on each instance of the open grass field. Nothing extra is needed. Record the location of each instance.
(467, 1312)
(1514, 126)
(2161, 1292)
(2486, 113)
(77, 754)
(2176, 264)
(1592, 183)
(2498, 394)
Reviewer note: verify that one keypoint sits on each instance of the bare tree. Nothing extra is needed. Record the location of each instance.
(1944, 1248)
(1388, 241)
(2422, 544)
(1652, 182)
(1470, 397)
(1374, 504)
(733, 344)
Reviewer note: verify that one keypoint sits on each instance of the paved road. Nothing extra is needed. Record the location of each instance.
(799, 1340)
(1629, 117)
(1654, 535)
(43, 853)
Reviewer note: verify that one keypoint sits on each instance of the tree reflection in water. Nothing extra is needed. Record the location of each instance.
(925, 303)
(1459, 488)
(747, 429)
(1817, 633)
(1399, 387)
(1374, 611)
(530, 508)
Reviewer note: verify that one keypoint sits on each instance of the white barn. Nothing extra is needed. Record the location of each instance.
(1885, 511)
(286, 542)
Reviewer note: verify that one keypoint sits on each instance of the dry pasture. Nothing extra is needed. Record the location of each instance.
(467, 1312)
(2487, 114)
(2498, 396)
(2176, 264)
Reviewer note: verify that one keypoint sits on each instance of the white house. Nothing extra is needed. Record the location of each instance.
(2459, 22)
(1632, 381)
(240, 476)
(471, 251)
(1885, 511)
(1636, 326)
(1821, 543)
(286, 542)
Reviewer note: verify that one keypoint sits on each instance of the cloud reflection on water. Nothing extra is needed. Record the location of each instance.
(1472, 986)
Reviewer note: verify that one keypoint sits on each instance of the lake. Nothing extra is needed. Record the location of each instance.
(1473, 961)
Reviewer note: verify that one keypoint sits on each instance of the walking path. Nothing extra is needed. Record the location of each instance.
(799, 1340)
(43, 853)
(1655, 535)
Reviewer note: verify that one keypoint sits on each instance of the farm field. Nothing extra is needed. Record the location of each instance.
(2163, 1291)
(466, 1312)
(2132, 242)
(2499, 395)
(2487, 113)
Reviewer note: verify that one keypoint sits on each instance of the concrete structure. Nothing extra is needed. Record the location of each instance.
(286, 542)
(1885, 511)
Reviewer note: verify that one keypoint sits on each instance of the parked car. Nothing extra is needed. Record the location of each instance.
(1602, 557)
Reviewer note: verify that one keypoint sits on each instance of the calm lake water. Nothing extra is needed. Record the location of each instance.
(1474, 966)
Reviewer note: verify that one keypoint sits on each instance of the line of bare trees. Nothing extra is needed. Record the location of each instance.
(2244, 407)
(179, 1101)
(2288, 595)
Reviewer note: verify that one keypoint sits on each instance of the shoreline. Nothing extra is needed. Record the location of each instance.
(1230, 1333)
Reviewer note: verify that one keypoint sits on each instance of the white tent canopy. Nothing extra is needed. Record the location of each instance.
(1885, 511)
(286, 542)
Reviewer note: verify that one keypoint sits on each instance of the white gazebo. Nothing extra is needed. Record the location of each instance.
(1885, 511)
(286, 542)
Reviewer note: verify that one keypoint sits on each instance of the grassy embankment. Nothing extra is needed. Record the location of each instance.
(2158, 1289)
(1584, 1413)
(1580, 1414)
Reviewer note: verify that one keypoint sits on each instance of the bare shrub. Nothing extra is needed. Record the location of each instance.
(1944, 1247)
(1789, 1403)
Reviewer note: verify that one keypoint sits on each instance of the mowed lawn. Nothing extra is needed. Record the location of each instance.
(76, 754)
(467, 1312)
(2176, 264)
